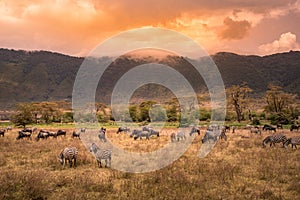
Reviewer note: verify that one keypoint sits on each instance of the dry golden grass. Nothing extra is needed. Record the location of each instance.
(236, 169)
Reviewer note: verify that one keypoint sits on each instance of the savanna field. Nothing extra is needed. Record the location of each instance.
(238, 168)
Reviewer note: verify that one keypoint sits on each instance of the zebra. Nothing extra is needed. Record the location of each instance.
(195, 130)
(2, 131)
(23, 135)
(173, 137)
(123, 129)
(70, 154)
(101, 136)
(211, 135)
(294, 141)
(101, 154)
(274, 139)
(180, 136)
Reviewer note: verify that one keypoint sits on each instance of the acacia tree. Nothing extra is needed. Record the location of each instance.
(238, 98)
(24, 115)
(280, 103)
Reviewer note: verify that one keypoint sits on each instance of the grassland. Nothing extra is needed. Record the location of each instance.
(235, 169)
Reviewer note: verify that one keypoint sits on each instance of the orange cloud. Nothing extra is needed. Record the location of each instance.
(76, 26)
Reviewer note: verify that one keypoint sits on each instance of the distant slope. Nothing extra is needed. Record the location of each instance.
(46, 76)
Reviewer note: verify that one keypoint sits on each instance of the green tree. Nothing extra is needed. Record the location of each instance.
(144, 108)
(24, 115)
(280, 105)
(238, 98)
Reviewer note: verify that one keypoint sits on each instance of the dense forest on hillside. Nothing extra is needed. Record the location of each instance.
(46, 76)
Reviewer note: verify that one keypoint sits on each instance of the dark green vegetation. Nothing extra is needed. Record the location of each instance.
(237, 169)
(46, 76)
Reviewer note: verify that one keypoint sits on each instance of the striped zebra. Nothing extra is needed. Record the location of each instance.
(101, 136)
(272, 139)
(101, 154)
(294, 141)
(173, 137)
(68, 154)
(180, 136)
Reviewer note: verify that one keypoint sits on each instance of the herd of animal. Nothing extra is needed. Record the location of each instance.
(212, 133)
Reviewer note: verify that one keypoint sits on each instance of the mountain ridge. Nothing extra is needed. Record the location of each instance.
(49, 76)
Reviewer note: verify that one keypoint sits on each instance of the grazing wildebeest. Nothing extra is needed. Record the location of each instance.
(23, 135)
(255, 130)
(42, 135)
(294, 126)
(76, 134)
(2, 131)
(294, 141)
(269, 128)
(8, 128)
(140, 134)
(123, 129)
(61, 132)
(279, 126)
(153, 132)
(272, 139)
(195, 130)
(227, 128)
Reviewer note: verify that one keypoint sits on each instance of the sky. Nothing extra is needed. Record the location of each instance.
(76, 27)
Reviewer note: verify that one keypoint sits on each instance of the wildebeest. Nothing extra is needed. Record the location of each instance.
(294, 126)
(29, 130)
(23, 135)
(2, 131)
(140, 134)
(61, 132)
(42, 135)
(269, 128)
(255, 130)
(76, 134)
(123, 129)
(195, 130)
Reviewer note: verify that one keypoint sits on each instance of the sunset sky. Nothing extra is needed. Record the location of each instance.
(75, 27)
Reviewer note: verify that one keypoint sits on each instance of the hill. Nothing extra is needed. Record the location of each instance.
(47, 76)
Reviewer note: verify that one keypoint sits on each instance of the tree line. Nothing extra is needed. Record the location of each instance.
(279, 107)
